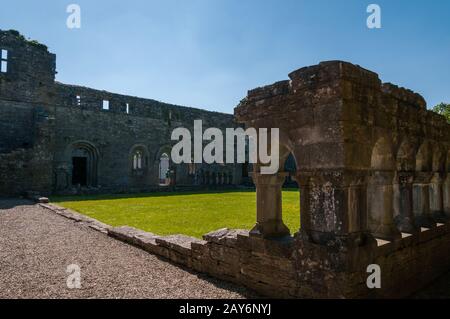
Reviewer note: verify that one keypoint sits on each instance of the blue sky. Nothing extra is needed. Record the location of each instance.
(208, 53)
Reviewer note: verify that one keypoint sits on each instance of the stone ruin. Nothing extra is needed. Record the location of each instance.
(373, 168)
(66, 139)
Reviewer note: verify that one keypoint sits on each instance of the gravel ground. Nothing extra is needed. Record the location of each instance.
(36, 246)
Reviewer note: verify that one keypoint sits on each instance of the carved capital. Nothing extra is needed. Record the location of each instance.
(269, 180)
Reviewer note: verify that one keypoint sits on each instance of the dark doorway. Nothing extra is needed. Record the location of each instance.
(245, 169)
(79, 171)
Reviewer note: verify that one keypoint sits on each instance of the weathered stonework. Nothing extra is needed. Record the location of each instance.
(373, 167)
(45, 124)
(298, 268)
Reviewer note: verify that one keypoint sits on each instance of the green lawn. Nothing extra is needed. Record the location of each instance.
(193, 214)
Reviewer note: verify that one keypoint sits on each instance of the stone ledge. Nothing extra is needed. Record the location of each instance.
(176, 248)
(412, 240)
(139, 238)
(225, 236)
(179, 243)
(79, 218)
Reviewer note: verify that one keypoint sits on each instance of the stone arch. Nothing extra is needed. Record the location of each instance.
(446, 186)
(421, 187)
(437, 184)
(424, 158)
(382, 155)
(438, 159)
(83, 156)
(447, 162)
(163, 166)
(142, 150)
(403, 187)
(269, 194)
(380, 191)
(164, 170)
(406, 159)
(289, 166)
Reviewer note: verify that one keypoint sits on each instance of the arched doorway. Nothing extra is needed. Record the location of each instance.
(164, 170)
(84, 158)
(290, 167)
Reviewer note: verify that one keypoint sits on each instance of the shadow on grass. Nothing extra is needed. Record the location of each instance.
(81, 198)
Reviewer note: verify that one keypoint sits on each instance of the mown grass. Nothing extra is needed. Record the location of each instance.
(193, 214)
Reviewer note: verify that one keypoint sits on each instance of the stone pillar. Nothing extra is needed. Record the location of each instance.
(333, 206)
(446, 195)
(380, 203)
(403, 205)
(421, 200)
(437, 198)
(269, 222)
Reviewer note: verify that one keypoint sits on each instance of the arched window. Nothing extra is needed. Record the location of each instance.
(191, 168)
(164, 171)
(84, 164)
(137, 160)
(4, 61)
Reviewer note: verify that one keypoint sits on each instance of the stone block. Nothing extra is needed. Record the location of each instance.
(225, 236)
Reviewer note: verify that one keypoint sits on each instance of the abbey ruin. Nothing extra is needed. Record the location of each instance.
(58, 138)
(373, 168)
(372, 164)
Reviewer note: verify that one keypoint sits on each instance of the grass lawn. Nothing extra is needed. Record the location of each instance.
(193, 214)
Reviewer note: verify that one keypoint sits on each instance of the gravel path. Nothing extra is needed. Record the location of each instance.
(36, 247)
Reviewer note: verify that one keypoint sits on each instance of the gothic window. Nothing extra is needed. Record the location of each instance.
(164, 170)
(191, 167)
(4, 61)
(137, 160)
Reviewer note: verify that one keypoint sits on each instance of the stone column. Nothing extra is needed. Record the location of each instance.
(333, 206)
(421, 200)
(403, 208)
(437, 198)
(269, 222)
(446, 196)
(380, 203)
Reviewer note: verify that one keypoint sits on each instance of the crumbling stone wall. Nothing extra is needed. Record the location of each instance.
(367, 196)
(115, 134)
(43, 124)
(294, 267)
(373, 169)
(26, 116)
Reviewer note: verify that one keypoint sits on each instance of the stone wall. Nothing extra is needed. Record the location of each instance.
(115, 133)
(43, 124)
(295, 268)
(372, 165)
(26, 116)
